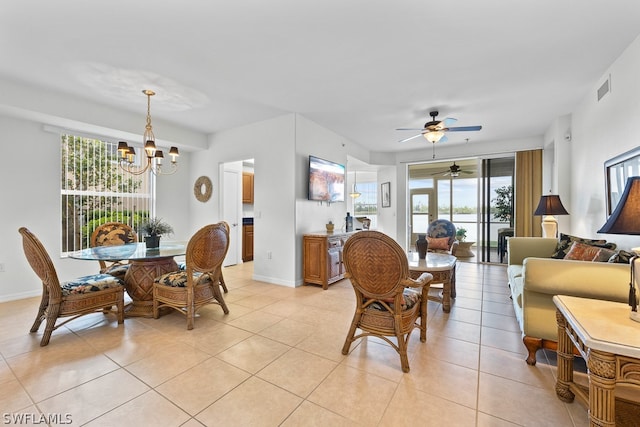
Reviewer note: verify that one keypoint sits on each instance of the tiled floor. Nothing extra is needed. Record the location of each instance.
(276, 360)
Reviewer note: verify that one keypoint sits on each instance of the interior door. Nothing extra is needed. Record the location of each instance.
(231, 199)
(424, 208)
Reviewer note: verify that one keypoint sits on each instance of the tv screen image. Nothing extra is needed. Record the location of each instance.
(326, 180)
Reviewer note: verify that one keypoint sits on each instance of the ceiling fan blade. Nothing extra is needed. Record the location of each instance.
(448, 121)
(465, 171)
(463, 129)
(440, 173)
(409, 129)
(410, 138)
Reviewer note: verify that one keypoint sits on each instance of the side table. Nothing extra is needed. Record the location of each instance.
(609, 342)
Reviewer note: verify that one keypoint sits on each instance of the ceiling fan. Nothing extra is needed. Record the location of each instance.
(454, 171)
(434, 130)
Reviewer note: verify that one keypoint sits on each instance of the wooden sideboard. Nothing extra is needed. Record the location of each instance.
(322, 257)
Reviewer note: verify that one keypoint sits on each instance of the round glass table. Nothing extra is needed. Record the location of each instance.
(145, 266)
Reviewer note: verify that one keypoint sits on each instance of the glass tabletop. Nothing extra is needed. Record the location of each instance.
(434, 262)
(131, 251)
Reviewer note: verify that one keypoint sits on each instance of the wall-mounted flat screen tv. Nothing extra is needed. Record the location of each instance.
(326, 180)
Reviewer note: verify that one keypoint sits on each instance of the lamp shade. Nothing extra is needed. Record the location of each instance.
(550, 205)
(625, 219)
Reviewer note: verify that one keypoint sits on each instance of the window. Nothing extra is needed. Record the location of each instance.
(94, 190)
(367, 203)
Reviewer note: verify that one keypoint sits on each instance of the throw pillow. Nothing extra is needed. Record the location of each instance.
(438, 243)
(565, 241)
(581, 252)
(604, 255)
(621, 257)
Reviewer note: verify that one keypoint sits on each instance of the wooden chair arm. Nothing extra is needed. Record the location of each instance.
(422, 280)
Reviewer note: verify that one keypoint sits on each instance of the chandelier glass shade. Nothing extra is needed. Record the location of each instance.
(433, 136)
(154, 156)
(354, 192)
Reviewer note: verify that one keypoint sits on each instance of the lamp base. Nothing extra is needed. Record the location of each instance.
(549, 226)
(635, 316)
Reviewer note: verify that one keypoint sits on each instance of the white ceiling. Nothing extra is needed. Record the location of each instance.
(359, 68)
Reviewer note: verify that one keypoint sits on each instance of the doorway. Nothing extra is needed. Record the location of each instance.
(231, 211)
(423, 208)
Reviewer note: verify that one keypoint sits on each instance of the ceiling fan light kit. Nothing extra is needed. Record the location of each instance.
(435, 130)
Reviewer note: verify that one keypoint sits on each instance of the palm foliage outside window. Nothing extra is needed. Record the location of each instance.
(94, 190)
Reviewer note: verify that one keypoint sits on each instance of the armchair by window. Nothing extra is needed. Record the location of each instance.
(441, 235)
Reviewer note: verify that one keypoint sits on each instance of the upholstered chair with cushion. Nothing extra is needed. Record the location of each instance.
(183, 266)
(110, 234)
(441, 236)
(84, 295)
(198, 284)
(389, 304)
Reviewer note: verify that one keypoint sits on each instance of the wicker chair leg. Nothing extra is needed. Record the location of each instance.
(52, 316)
(190, 316)
(423, 319)
(351, 333)
(120, 307)
(223, 284)
(44, 302)
(39, 318)
(218, 296)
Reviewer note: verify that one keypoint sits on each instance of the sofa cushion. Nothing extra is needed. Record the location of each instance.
(566, 240)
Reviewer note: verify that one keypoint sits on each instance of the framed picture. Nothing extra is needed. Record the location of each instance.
(616, 172)
(385, 189)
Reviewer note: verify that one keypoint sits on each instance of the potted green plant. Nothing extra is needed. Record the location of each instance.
(503, 204)
(461, 234)
(153, 229)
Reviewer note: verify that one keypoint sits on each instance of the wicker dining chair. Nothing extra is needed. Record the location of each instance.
(84, 295)
(199, 284)
(388, 302)
(111, 234)
(223, 285)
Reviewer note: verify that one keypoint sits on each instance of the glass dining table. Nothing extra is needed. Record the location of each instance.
(145, 265)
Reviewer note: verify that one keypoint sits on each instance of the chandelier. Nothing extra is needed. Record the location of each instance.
(354, 192)
(154, 156)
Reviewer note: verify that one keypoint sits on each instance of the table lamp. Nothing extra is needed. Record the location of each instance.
(549, 206)
(625, 219)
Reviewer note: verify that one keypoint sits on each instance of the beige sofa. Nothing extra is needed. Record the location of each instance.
(535, 277)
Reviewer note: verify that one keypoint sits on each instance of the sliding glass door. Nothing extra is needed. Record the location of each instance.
(476, 195)
(496, 216)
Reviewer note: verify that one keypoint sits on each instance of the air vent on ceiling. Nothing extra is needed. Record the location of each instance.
(604, 88)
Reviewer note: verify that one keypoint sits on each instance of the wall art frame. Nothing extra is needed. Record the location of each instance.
(385, 193)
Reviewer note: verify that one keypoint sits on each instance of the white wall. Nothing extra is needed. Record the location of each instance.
(599, 131)
(387, 216)
(271, 144)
